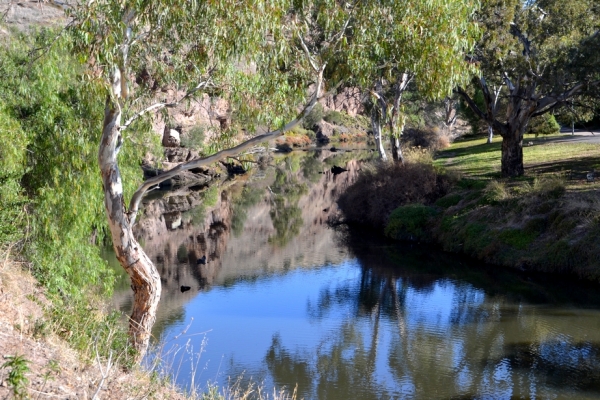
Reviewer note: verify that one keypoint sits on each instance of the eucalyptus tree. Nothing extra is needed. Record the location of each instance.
(393, 43)
(249, 52)
(546, 53)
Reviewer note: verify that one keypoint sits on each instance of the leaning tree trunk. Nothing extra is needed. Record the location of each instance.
(145, 279)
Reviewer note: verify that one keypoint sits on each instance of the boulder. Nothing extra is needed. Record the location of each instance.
(171, 138)
(324, 130)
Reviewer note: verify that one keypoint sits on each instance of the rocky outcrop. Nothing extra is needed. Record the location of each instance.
(324, 130)
(348, 100)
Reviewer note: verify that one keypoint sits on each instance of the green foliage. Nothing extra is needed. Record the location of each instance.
(410, 222)
(449, 200)
(315, 116)
(496, 191)
(467, 113)
(194, 139)
(544, 125)
(19, 366)
(336, 118)
(12, 168)
(550, 186)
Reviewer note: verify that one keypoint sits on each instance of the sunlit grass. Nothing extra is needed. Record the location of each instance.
(476, 158)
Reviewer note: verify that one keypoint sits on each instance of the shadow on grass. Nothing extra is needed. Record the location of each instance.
(471, 150)
(575, 168)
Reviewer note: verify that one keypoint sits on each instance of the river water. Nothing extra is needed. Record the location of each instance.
(284, 300)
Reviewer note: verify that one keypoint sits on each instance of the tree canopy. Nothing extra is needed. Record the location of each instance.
(546, 53)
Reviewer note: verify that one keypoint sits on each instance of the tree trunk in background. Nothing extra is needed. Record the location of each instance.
(145, 279)
(490, 134)
(396, 150)
(376, 126)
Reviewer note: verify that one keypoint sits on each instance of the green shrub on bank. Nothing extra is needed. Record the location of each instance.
(12, 168)
(314, 117)
(60, 120)
(50, 127)
(410, 222)
(544, 125)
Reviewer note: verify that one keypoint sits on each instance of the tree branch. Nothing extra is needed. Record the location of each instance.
(139, 193)
(460, 91)
(553, 100)
(158, 106)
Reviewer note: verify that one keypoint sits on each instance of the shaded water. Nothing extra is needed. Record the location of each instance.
(284, 300)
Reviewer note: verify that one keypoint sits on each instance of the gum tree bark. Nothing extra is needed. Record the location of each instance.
(145, 280)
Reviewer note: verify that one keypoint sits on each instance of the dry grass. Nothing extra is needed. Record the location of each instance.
(55, 370)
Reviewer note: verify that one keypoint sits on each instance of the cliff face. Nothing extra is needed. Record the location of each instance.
(28, 14)
(177, 230)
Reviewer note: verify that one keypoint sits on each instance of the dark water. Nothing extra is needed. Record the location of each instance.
(284, 300)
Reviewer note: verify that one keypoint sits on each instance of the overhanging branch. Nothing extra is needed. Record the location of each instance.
(158, 106)
(139, 193)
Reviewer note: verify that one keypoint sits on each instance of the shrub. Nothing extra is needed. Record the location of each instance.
(382, 188)
(194, 139)
(544, 125)
(314, 117)
(410, 222)
(551, 186)
(336, 118)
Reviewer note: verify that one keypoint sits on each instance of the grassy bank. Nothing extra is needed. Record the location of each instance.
(547, 220)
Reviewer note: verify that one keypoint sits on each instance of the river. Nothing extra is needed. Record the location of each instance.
(286, 300)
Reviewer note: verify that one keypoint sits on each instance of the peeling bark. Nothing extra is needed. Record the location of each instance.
(145, 279)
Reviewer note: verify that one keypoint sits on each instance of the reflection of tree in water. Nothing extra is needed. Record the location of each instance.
(285, 214)
(344, 367)
(250, 196)
(312, 167)
(482, 344)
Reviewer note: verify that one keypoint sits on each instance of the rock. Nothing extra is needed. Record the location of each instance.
(349, 100)
(173, 220)
(324, 131)
(171, 138)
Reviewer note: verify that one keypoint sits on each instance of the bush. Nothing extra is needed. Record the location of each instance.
(314, 117)
(552, 186)
(410, 222)
(336, 118)
(384, 187)
(543, 125)
(194, 139)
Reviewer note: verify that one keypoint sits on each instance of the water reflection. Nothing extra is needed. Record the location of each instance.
(287, 301)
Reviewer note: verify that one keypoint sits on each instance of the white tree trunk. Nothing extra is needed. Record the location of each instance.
(145, 279)
(490, 134)
(376, 126)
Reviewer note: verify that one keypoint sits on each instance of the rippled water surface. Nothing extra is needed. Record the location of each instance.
(284, 300)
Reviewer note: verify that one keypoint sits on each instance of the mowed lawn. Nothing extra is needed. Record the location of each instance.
(543, 155)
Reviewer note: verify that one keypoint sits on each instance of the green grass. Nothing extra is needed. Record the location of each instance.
(479, 160)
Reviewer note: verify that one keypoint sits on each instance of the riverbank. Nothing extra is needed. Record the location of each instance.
(546, 221)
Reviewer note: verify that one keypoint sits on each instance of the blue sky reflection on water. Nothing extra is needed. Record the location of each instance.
(242, 321)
